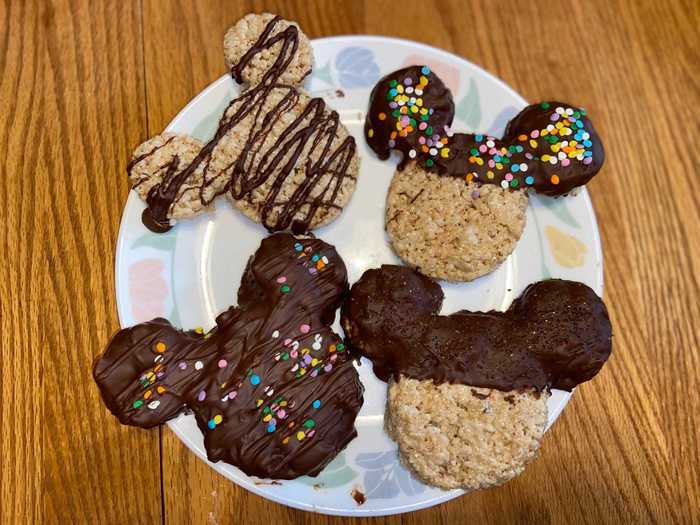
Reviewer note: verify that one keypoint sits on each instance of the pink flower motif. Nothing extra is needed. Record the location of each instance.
(448, 74)
(147, 289)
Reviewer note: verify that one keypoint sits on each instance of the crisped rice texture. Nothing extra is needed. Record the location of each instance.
(449, 229)
(243, 35)
(458, 436)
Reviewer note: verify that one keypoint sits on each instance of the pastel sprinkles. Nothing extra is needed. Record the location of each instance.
(272, 387)
(550, 147)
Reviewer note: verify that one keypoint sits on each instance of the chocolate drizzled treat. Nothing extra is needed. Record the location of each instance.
(282, 157)
(550, 147)
(273, 389)
(468, 392)
(456, 205)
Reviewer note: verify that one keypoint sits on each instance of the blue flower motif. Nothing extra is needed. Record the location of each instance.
(356, 67)
(501, 120)
(385, 477)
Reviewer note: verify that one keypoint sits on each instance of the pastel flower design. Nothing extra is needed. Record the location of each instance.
(356, 67)
(147, 289)
(447, 73)
(498, 126)
(567, 250)
(336, 474)
(385, 477)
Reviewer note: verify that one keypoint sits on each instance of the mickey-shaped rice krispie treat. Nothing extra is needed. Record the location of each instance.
(468, 392)
(456, 205)
(272, 387)
(282, 157)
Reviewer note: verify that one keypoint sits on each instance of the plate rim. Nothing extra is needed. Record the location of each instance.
(247, 484)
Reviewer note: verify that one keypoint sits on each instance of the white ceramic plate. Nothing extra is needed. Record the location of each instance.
(191, 273)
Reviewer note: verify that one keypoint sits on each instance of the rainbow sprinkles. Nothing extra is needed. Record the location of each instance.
(550, 147)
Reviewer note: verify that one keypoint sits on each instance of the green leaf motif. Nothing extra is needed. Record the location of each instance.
(159, 241)
(174, 316)
(208, 124)
(336, 474)
(323, 73)
(561, 210)
(468, 109)
(546, 274)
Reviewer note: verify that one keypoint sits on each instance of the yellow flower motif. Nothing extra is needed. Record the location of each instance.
(567, 250)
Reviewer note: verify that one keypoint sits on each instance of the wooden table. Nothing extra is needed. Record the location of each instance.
(83, 82)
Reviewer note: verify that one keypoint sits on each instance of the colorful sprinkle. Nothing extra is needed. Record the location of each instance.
(285, 288)
(255, 379)
(160, 347)
(202, 395)
(316, 404)
(154, 404)
(222, 363)
(198, 365)
(138, 403)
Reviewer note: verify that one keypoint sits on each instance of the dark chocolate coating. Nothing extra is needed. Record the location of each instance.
(436, 96)
(550, 147)
(273, 389)
(555, 335)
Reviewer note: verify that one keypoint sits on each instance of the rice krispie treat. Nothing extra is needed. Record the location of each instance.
(467, 402)
(448, 229)
(281, 156)
(459, 436)
(469, 188)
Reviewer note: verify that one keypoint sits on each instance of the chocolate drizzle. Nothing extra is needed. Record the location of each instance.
(555, 335)
(550, 147)
(272, 388)
(312, 135)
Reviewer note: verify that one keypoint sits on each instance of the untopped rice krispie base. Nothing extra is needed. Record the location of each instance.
(449, 229)
(458, 436)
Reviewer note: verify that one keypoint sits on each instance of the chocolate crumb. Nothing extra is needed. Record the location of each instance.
(267, 483)
(479, 395)
(358, 496)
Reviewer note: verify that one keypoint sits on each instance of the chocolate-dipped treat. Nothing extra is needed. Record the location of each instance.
(467, 396)
(428, 106)
(282, 157)
(555, 335)
(550, 147)
(272, 388)
(456, 205)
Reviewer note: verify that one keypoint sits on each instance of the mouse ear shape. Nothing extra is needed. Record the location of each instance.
(158, 162)
(145, 370)
(563, 141)
(409, 112)
(296, 273)
(266, 48)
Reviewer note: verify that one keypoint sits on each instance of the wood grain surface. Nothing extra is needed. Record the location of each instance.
(83, 82)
